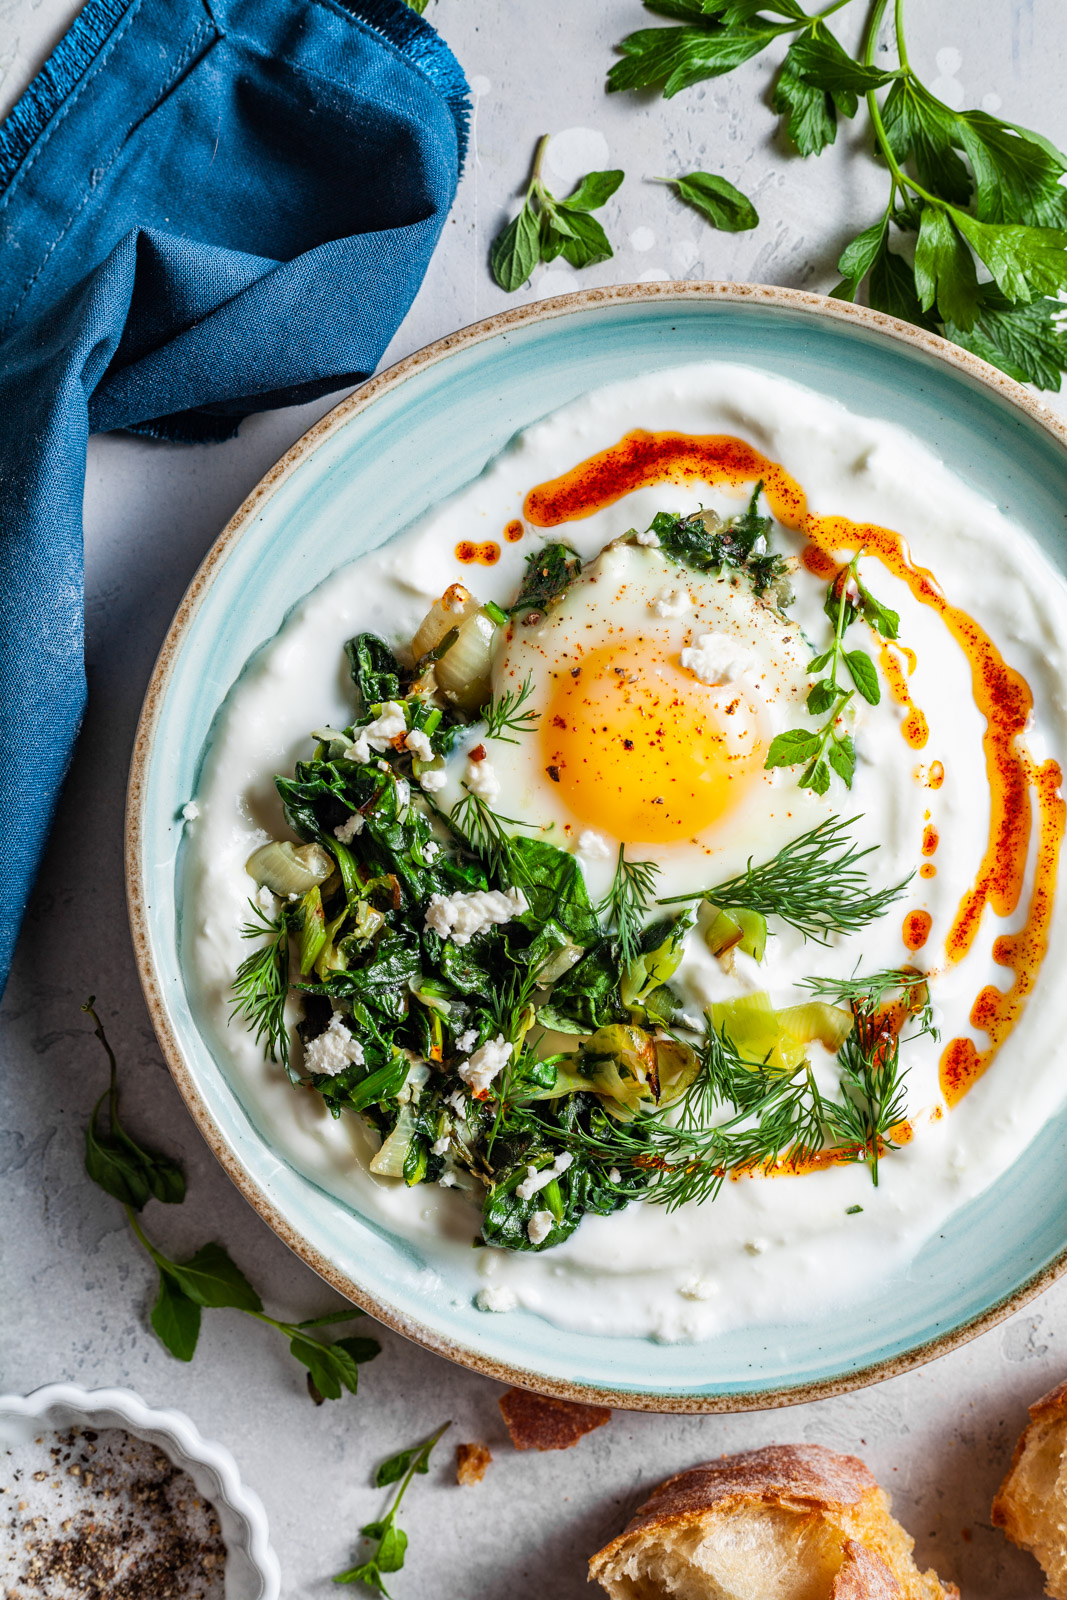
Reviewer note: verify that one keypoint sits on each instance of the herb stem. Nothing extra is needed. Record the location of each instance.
(899, 176)
(898, 23)
(538, 162)
(161, 1261)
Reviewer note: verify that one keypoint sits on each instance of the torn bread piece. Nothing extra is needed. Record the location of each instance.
(537, 1422)
(1031, 1503)
(471, 1462)
(789, 1522)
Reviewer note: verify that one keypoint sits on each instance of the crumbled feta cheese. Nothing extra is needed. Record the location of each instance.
(440, 1146)
(594, 845)
(485, 1063)
(670, 603)
(466, 1041)
(458, 1100)
(649, 539)
(759, 545)
(614, 1175)
(481, 779)
(333, 1050)
(535, 1181)
(419, 745)
(435, 779)
(190, 811)
(346, 831)
(461, 915)
(267, 902)
(697, 1289)
(716, 658)
(379, 734)
(431, 851)
(498, 1297)
(447, 1180)
(540, 1226)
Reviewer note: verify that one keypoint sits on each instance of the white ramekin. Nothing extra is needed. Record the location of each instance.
(252, 1571)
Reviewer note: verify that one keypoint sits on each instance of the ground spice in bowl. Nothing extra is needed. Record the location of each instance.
(92, 1512)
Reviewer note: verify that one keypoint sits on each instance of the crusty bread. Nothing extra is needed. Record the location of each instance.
(1031, 1503)
(790, 1522)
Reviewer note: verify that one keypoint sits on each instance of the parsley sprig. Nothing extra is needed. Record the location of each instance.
(392, 1541)
(133, 1175)
(831, 745)
(970, 191)
(814, 883)
(546, 227)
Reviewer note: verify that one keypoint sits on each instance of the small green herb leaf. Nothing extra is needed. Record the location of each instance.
(676, 58)
(176, 1318)
(392, 1470)
(864, 675)
(1017, 180)
(594, 190)
(809, 111)
(821, 697)
(716, 199)
(789, 748)
(841, 754)
(944, 270)
(211, 1278)
(819, 57)
(857, 258)
(516, 251)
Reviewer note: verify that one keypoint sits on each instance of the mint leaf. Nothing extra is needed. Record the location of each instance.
(176, 1318)
(584, 241)
(810, 113)
(879, 617)
(716, 199)
(864, 675)
(392, 1549)
(920, 127)
(367, 1572)
(393, 1470)
(1016, 179)
(594, 190)
(676, 58)
(821, 697)
(787, 749)
(110, 1165)
(944, 270)
(211, 1278)
(1027, 342)
(842, 757)
(816, 778)
(516, 251)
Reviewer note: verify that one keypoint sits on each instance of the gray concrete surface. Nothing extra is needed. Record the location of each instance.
(75, 1286)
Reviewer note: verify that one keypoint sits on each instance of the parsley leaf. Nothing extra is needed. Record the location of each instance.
(944, 270)
(675, 58)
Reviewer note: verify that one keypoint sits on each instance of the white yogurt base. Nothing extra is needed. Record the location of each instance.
(753, 1255)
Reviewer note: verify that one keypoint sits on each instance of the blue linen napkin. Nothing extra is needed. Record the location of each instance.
(207, 208)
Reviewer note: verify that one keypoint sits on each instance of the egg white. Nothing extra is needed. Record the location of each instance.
(632, 600)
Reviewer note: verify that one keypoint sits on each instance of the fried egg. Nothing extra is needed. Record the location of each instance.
(657, 692)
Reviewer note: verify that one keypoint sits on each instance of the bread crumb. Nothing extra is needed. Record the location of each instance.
(537, 1422)
(471, 1462)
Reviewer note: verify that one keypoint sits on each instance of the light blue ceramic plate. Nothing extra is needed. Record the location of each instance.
(400, 444)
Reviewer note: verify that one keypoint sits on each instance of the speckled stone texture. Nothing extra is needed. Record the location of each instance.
(76, 1288)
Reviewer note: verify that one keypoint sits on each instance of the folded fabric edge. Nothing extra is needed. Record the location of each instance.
(424, 47)
(70, 59)
(392, 20)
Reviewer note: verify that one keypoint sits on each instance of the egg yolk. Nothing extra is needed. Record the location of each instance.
(643, 750)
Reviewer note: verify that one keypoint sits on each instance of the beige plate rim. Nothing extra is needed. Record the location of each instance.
(338, 417)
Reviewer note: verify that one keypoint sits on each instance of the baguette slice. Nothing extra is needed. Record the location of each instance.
(1031, 1503)
(789, 1522)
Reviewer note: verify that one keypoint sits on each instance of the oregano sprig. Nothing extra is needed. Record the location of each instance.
(830, 747)
(391, 1541)
(210, 1278)
(546, 227)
